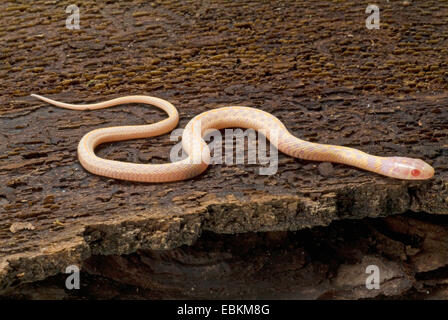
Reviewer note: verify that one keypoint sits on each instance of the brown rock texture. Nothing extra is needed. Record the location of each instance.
(319, 263)
(313, 64)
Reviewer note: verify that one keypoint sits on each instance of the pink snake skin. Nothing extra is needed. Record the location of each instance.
(198, 157)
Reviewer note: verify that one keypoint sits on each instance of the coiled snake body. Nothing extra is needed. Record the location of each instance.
(234, 116)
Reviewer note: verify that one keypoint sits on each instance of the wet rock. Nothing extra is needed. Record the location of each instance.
(326, 86)
(334, 262)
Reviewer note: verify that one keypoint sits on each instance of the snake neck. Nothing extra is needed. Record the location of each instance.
(298, 148)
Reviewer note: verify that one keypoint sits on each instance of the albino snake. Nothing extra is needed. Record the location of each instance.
(234, 116)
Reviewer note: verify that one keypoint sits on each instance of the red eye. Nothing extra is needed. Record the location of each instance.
(415, 173)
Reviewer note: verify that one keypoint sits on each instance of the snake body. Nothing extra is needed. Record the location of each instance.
(196, 147)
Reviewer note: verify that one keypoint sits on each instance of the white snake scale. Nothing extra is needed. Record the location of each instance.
(196, 147)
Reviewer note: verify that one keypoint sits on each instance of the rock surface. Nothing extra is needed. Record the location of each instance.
(319, 263)
(312, 64)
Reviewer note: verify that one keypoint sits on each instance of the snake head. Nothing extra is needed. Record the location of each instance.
(409, 169)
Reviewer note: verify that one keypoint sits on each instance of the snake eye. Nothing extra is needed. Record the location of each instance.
(415, 173)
